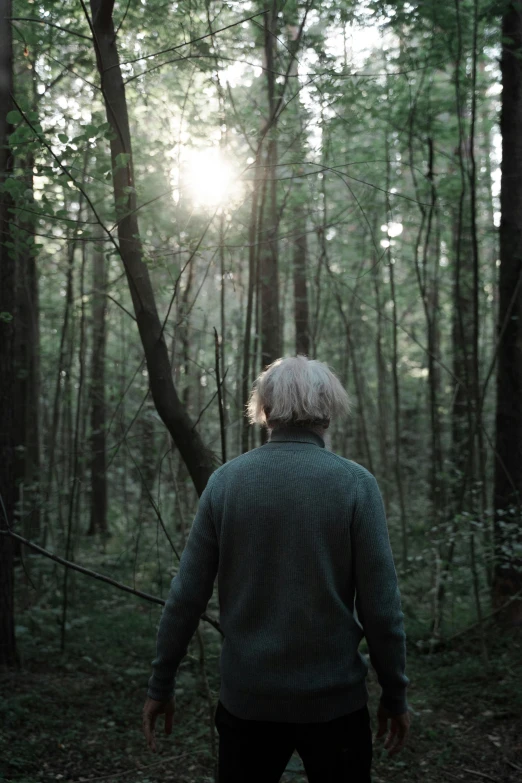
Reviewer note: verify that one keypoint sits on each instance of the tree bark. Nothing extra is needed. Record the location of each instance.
(27, 369)
(269, 272)
(302, 330)
(197, 457)
(97, 393)
(507, 573)
(8, 656)
(251, 287)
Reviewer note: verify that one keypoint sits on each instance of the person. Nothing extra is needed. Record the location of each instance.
(298, 538)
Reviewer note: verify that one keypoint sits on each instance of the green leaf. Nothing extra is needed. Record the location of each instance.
(122, 159)
(6, 317)
(13, 186)
(63, 137)
(13, 117)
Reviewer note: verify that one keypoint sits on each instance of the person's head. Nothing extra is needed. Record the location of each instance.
(297, 391)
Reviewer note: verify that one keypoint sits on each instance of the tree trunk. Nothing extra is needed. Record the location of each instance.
(8, 656)
(507, 574)
(301, 316)
(27, 338)
(197, 457)
(251, 287)
(269, 273)
(147, 463)
(97, 392)
(302, 332)
(27, 370)
(382, 382)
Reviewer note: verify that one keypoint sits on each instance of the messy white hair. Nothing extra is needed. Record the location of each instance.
(297, 391)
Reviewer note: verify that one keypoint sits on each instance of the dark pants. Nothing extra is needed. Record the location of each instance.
(255, 751)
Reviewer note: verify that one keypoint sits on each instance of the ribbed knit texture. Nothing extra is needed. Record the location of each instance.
(298, 540)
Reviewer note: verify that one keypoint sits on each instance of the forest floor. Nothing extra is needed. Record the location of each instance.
(76, 716)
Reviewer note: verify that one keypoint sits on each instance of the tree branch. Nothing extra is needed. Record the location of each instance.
(94, 575)
(49, 24)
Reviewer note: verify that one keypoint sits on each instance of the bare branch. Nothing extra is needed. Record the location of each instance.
(94, 575)
(49, 24)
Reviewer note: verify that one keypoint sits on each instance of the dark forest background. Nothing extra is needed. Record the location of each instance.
(188, 191)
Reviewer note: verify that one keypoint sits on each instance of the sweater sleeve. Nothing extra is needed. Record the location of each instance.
(378, 600)
(189, 594)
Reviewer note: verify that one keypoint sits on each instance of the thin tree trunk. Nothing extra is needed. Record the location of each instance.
(8, 655)
(395, 377)
(463, 326)
(98, 520)
(147, 463)
(301, 318)
(382, 385)
(62, 368)
(302, 330)
(27, 373)
(487, 487)
(222, 300)
(252, 234)
(507, 575)
(269, 277)
(170, 408)
(76, 459)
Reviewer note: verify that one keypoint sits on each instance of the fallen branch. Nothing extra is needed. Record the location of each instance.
(479, 774)
(484, 619)
(87, 571)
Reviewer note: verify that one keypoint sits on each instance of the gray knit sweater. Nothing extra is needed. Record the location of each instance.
(298, 540)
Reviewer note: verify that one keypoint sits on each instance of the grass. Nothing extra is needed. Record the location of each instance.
(76, 715)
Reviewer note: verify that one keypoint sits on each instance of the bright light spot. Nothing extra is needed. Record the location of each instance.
(496, 219)
(234, 74)
(418, 372)
(210, 179)
(392, 229)
(360, 41)
(494, 89)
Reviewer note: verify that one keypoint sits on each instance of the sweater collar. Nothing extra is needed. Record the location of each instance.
(296, 435)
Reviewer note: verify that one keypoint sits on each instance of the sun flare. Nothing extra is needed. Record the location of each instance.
(209, 178)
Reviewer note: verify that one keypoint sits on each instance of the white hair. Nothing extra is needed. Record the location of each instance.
(297, 391)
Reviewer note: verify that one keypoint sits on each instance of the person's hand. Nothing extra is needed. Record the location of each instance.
(151, 710)
(399, 729)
